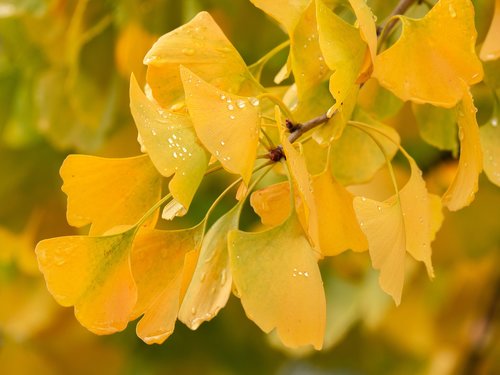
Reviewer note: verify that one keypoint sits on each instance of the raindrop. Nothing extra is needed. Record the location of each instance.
(222, 97)
(240, 103)
(453, 13)
(232, 117)
(230, 107)
(222, 143)
(193, 310)
(255, 102)
(494, 122)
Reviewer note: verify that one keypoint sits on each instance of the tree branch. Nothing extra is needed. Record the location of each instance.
(296, 130)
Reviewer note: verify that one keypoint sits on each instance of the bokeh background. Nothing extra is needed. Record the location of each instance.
(64, 71)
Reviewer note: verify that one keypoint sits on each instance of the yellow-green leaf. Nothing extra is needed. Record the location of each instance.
(227, 125)
(157, 266)
(400, 224)
(210, 286)
(465, 183)
(287, 13)
(171, 143)
(109, 192)
(94, 275)
(344, 52)
(433, 56)
(437, 126)
(278, 280)
(201, 46)
(366, 24)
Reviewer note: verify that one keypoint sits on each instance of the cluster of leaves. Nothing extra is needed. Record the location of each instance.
(203, 109)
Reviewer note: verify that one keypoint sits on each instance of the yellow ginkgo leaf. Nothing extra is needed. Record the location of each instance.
(287, 13)
(201, 46)
(227, 125)
(433, 56)
(171, 143)
(344, 51)
(491, 45)
(490, 142)
(272, 203)
(465, 183)
(278, 280)
(338, 228)
(403, 223)
(157, 266)
(210, 286)
(109, 192)
(366, 24)
(94, 275)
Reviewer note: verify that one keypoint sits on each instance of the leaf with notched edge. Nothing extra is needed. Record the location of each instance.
(201, 46)
(109, 192)
(277, 278)
(171, 143)
(228, 125)
(158, 263)
(433, 56)
(94, 275)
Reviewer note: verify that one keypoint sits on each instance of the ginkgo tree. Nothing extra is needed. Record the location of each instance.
(317, 131)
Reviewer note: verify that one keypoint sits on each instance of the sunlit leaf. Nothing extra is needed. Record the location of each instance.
(109, 192)
(157, 266)
(94, 275)
(279, 283)
(490, 142)
(287, 13)
(201, 46)
(366, 24)
(433, 56)
(378, 101)
(170, 141)
(395, 226)
(272, 203)
(210, 286)
(344, 52)
(463, 187)
(227, 125)
(491, 45)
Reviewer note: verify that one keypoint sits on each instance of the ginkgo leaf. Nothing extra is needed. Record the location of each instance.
(278, 281)
(433, 56)
(210, 286)
(157, 265)
(109, 192)
(378, 101)
(491, 45)
(287, 13)
(94, 275)
(338, 228)
(350, 167)
(201, 46)
(171, 143)
(490, 142)
(227, 125)
(400, 224)
(465, 183)
(366, 24)
(272, 203)
(344, 52)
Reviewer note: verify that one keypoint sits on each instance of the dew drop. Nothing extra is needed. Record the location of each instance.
(203, 276)
(240, 103)
(230, 107)
(494, 122)
(153, 131)
(232, 117)
(222, 97)
(193, 310)
(363, 199)
(255, 102)
(453, 13)
(175, 155)
(222, 143)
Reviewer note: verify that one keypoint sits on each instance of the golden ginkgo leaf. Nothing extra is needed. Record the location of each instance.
(402, 223)
(433, 56)
(211, 281)
(465, 183)
(201, 46)
(344, 51)
(272, 203)
(287, 13)
(109, 192)
(94, 275)
(171, 143)
(228, 125)
(278, 281)
(157, 265)
(366, 24)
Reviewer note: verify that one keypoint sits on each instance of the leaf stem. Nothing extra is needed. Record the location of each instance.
(385, 28)
(277, 101)
(157, 205)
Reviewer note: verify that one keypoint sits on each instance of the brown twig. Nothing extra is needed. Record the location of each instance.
(296, 130)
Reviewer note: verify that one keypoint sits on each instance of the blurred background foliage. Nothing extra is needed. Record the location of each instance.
(64, 70)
